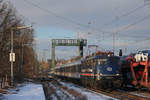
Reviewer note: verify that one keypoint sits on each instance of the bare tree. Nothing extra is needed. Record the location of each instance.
(9, 18)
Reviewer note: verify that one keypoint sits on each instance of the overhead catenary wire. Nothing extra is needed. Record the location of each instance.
(129, 26)
(140, 41)
(63, 17)
(132, 24)
(87, 26)
(125, 15)
(84, 25)
(137, 42)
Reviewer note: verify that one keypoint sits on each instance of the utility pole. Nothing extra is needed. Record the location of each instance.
(53, 58)
(12, 54)
(12, 57)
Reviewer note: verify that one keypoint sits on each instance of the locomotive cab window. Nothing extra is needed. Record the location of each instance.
(102, 61)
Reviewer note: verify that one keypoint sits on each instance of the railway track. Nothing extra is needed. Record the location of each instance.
(118, 94)
(122, 95)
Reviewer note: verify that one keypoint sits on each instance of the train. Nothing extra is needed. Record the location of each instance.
(101, 70)
(135, 70)
(104, 70)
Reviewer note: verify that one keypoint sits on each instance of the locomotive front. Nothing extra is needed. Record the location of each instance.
(108, 72)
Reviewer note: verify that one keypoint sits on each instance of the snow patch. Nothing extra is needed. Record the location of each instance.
(91, 95)
(29, 91)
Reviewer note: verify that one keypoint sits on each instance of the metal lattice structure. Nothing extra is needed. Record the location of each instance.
(66, 42)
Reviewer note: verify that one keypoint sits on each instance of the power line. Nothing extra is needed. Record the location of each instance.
(133, 24)
(125, 15)
(136, 42)
(64, 18)
(84, 25)
(135, 36)
(87, 26)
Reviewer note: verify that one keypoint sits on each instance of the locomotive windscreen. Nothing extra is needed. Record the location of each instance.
(111, 66)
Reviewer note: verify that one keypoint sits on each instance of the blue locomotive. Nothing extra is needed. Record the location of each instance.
(100, 70)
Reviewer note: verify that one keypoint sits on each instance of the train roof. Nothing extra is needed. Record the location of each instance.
(69, 64)
(98, 56)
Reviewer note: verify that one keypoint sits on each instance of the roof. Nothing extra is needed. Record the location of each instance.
(69, 64)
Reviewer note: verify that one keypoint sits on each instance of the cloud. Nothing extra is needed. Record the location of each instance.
(95, 12)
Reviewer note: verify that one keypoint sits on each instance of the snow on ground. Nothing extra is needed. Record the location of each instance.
(91, 95)
(29, 91)
(54, 92)
(59, 92)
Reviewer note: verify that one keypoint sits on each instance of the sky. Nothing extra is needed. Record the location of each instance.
(126, 22)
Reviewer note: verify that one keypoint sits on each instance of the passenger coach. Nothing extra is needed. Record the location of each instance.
(71, 70)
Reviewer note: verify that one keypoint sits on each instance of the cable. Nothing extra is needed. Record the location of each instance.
(137, 41)
(125, 14)
(84, 25)
(62, 17)
(132, 24)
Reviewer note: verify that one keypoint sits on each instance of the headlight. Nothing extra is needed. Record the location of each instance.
(117, 74)
(100, 74)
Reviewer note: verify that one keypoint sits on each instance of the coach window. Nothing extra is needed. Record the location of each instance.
(70, 69)
(73, 68)
(76, 68)
(64, 69)
(79, 68)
